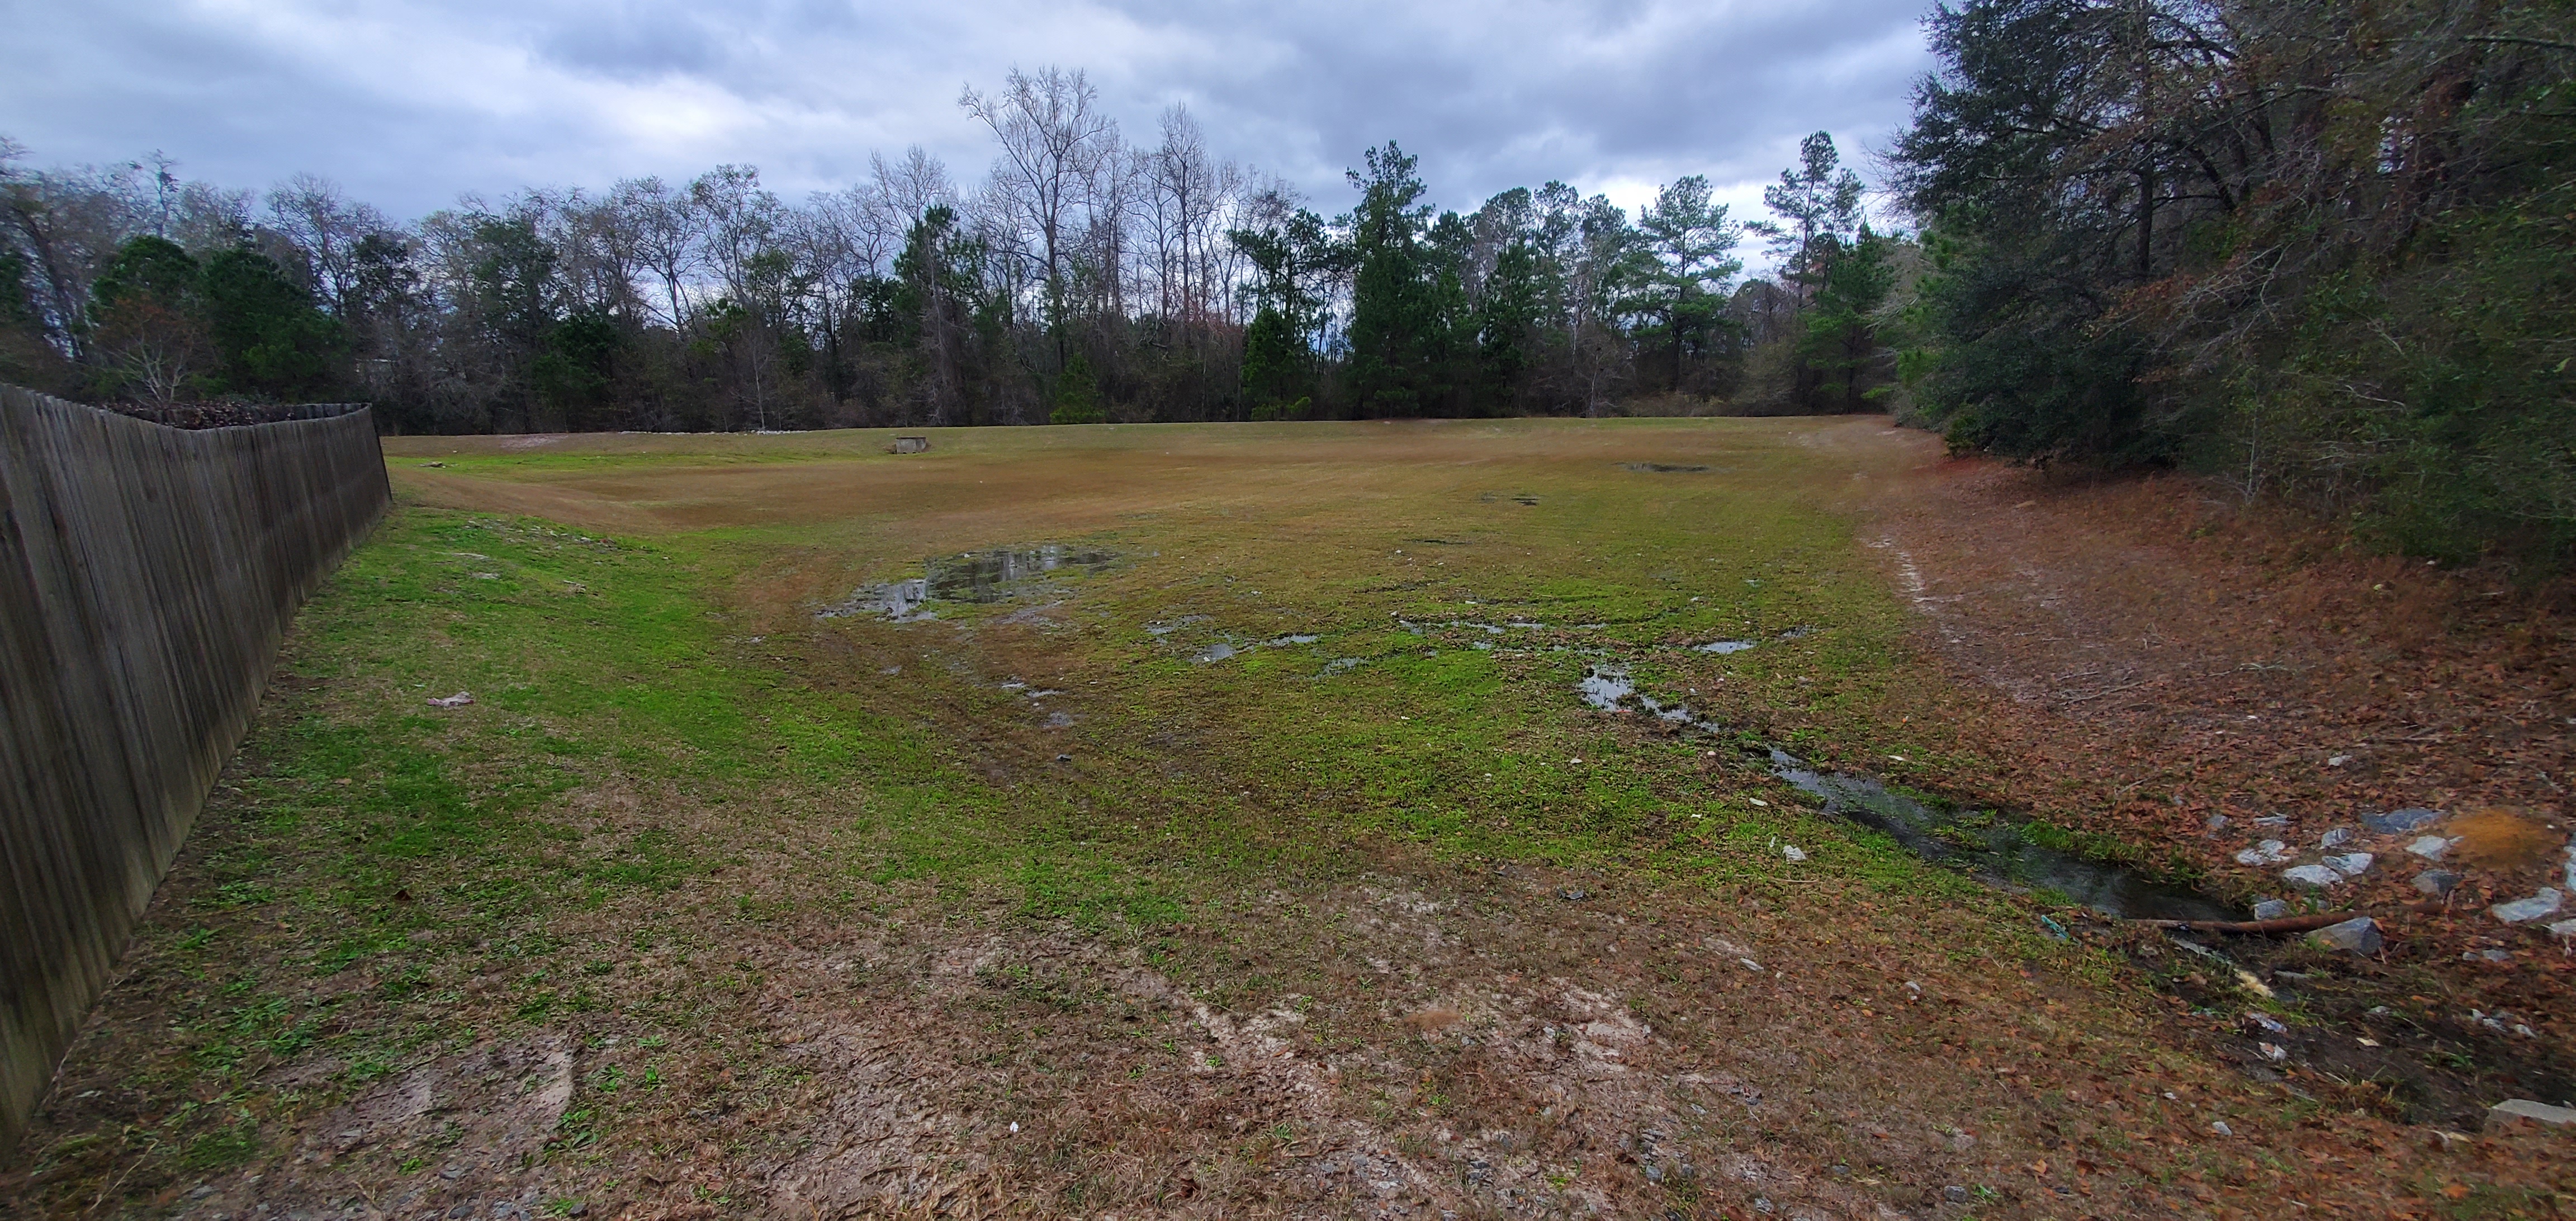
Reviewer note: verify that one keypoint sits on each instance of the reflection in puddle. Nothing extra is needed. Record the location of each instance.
(1166, 629)
(1299, 638)
(1995, 847)
(975, 576)
(1610, 689)
(1218, 651)
(1339, 664)
(985, 576)
(900, 601)
(1725, 646)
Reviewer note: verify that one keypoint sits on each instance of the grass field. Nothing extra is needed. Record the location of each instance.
(1273, 866)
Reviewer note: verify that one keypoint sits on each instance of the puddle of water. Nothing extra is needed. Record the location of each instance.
(1610, 689)
(986, 576)
(1166, 629)
(1299, 638)
(1215, 652)
(1663, 468)
(1991, 847)
(1725, 646)
(1797, 633)
(977, 576)
(900, 601)
(1340, 664)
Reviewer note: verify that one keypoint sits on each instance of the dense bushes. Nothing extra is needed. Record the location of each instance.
(2319, 249)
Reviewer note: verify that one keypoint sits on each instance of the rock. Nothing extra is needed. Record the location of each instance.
(2269, 852)
(2217, 822)
(2563, 930)
(1793, 852)
(2436, 882)
(2335, 838)
(2431, 847)
(2399, 822)
(2273, 820)
(2221, 1128)
(2517, 1109)
(2522, 910)
(2311, 875)
(1573, 895)
(1955, 1194)
(2271, 909)
(458, 700)
(2360, 935)
(2350, 864)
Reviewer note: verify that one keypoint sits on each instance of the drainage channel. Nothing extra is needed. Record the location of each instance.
(1990, 845)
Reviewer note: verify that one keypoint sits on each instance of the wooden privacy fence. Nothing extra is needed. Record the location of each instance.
(147, 574)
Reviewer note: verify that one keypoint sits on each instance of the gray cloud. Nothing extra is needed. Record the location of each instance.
(409, 102)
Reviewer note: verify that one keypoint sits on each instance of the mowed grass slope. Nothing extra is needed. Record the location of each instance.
(710, 905)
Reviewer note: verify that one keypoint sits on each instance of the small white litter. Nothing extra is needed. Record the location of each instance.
(458, 700)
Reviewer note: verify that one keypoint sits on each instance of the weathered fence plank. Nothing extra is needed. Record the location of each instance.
(146, 576)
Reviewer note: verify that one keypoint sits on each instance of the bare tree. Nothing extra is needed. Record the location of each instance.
(741, 221)
(667, 227)
(903, 190)
(322, 222)
(1055, 143)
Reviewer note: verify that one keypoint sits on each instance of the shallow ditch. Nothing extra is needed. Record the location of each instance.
(1990, 845)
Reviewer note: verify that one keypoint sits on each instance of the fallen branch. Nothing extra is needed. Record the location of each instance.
(2286, 924)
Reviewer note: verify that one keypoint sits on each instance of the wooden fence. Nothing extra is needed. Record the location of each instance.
(147, 574)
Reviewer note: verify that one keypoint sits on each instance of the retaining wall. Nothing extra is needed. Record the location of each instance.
(147, 574)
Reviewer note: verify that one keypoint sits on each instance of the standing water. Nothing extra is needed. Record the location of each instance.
(1995, 848)
(1985, 844)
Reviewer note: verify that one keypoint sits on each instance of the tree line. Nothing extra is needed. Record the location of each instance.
(2325, 251)
(1086, 278)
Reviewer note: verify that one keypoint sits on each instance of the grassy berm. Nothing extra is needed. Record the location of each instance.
(1274, 866)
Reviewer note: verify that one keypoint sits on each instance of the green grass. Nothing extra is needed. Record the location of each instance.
(661, 744)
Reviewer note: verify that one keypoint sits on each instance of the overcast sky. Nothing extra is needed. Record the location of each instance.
(410, 102)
